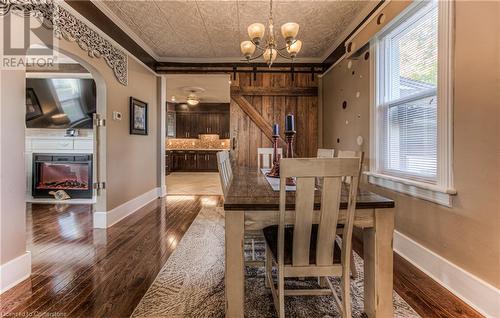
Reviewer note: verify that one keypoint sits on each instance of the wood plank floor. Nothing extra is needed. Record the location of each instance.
(79, 271)
(422, 293)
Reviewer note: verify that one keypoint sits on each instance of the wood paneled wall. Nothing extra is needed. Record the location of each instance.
(273, 108)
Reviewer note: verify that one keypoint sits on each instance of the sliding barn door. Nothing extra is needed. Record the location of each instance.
(257, 102)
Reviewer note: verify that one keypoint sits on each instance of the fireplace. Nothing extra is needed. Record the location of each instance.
(69, 172)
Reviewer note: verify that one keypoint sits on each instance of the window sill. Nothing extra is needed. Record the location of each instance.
(416, 189)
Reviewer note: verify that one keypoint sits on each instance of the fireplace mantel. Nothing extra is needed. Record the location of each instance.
(53, 141)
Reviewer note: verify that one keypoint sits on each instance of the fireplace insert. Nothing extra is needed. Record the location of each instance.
(69, 172)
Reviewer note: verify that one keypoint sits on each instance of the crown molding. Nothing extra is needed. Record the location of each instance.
(125, 28)
(355, 23)
(237, 60)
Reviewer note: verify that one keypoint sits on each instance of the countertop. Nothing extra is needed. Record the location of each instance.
(197, 149)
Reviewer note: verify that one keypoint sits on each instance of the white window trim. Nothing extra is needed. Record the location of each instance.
(443, 191)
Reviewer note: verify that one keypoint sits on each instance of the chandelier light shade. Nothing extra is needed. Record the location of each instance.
(294, 48)
(289, 31)
(247, 48)
(268, 48)
(192, 100)
(270, 55)
(256, 32)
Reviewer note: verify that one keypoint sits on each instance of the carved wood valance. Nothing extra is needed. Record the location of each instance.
(65, 25)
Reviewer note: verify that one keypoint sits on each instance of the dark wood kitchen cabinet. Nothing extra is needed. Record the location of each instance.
(168, 162)
(193, 160)
(202, 119)
(186, 125)
(224, 126)
(184, 160)
(207, 161)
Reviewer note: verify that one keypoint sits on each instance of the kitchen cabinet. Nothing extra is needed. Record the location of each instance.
(184, 160)
(224, 126)
(207, 161)
(171, 130)
(193, 160)
(168, 162)
(206, 119)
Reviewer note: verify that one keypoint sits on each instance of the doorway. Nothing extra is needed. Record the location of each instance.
(197, 127)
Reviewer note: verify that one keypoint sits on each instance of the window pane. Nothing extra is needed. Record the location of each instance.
(413, 54)
(410, 144)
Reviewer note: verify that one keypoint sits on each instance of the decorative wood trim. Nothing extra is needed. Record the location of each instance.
(340, 51)
(69, 27)
(274, 91)
(117, 29)
(255, 116)
(58, 68)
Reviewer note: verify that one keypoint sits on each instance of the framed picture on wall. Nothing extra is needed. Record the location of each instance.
(33, 108)
(138, 117)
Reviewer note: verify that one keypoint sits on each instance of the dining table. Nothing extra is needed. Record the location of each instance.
(251, 204)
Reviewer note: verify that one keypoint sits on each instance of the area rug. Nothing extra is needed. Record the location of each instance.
(191, 284)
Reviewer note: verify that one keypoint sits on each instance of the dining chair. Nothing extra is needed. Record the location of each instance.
(226, 176)
(300, 248)
(325, 153)
(225, 170)
(352, 154)
(265, 157)
(329, 153)
(361, 156)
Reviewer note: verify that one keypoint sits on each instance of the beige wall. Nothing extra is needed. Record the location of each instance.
(12, 175)
(469, 233)
(131, 168)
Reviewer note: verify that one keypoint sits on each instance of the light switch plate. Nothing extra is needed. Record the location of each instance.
(117, 115)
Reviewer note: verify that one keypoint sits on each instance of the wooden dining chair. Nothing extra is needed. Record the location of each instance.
(265, 157)
(330, 153)
(225, 170)
(361, 156)
(352, 154)
(325, 153)
(299, 247)
(226, 176)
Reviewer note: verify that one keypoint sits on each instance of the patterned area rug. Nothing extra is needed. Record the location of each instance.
(191, 284)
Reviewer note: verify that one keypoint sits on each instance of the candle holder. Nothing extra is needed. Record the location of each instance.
(289, 138)
(275, 170)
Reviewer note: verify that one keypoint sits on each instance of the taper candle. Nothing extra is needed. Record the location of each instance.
(276, 129)
(289, 123)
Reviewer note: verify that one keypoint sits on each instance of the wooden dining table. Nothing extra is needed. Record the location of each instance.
(251, 204)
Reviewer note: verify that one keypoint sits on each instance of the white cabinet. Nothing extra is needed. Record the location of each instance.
(83, 144)
(65, 144)
(51, 144)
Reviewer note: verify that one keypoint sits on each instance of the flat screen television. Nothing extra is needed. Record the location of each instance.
(60, 102)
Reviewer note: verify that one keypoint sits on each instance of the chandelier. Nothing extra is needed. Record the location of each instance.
(268, 48)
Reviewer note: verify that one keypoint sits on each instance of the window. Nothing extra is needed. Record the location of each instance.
(68, 95)
(411, 115)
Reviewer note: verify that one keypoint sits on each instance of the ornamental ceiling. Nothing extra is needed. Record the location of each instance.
(201, 31)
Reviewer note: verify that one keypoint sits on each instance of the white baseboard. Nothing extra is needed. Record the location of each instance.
(15, 271)
(477, 293)
(103, 220)
(162, 191)
(30, 199)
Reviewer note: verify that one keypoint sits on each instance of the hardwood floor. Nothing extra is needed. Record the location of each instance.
(79, 271)
(422, 293)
